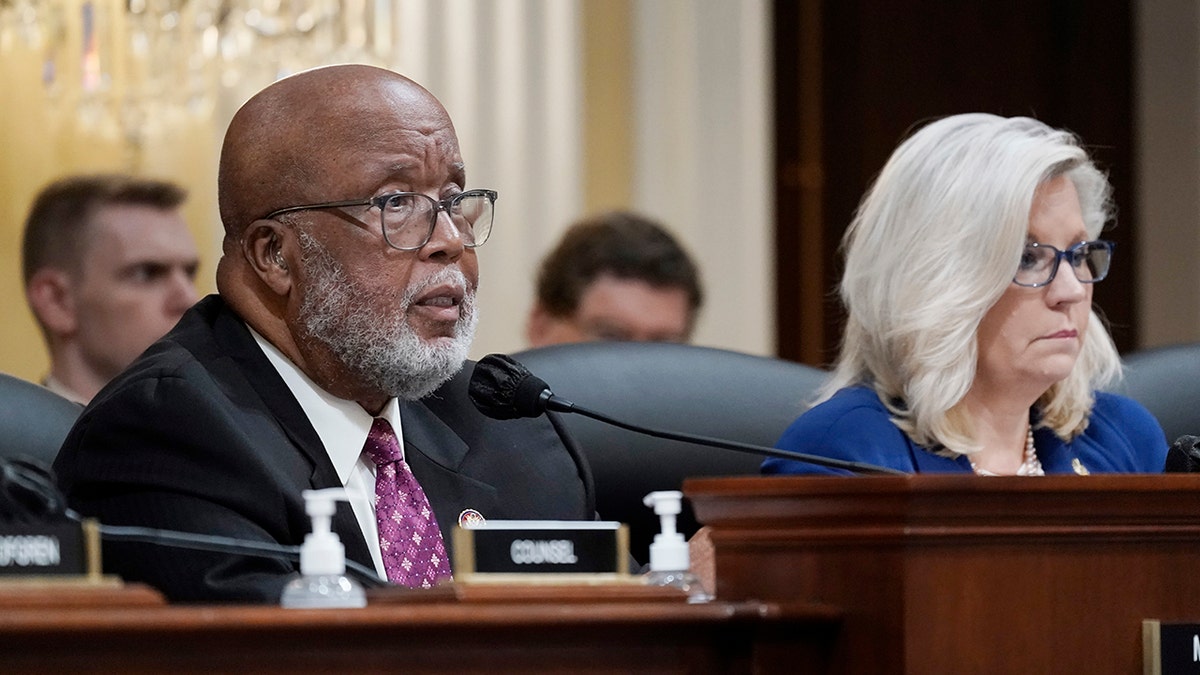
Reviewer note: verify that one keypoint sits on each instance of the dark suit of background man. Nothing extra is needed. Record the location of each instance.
(339, 302)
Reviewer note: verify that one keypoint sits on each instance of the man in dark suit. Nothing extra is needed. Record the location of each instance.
(346, 305)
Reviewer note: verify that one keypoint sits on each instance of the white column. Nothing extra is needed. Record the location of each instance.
(1167, 124)
(703, 154)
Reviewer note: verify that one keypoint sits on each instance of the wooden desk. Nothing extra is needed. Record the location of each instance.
(453, 630)
(913, 575)
(962, 574)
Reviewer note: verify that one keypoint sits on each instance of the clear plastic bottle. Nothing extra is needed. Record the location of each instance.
(320, 591)
(322, 582)
(669, 564)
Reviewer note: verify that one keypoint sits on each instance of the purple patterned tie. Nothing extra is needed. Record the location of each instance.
(409, 539)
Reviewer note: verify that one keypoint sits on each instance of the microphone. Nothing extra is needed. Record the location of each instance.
(1183, 456)
(27, 493)
(504, 389)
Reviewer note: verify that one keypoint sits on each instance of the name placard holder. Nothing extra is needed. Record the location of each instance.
(542, 550)
(54, 550)
(1170, 648)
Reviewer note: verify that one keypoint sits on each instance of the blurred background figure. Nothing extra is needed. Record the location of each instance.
(109, 267)
(615, 276)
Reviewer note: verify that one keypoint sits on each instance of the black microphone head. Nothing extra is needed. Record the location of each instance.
(1183, 456)
(28, 492)
(503, 389)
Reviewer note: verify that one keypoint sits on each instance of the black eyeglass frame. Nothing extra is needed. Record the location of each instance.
(1071, 252)
(378, 202)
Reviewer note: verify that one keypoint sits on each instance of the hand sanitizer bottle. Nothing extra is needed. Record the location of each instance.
(322, 582)
(669, 564)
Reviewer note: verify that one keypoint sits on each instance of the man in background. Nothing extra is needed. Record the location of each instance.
(615, 276)
(109, 267)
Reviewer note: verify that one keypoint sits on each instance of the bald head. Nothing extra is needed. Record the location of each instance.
(288, 144)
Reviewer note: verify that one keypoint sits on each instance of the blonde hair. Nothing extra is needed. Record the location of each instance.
(933, 246)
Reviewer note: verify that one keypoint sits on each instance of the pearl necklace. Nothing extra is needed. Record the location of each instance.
(1030, 467)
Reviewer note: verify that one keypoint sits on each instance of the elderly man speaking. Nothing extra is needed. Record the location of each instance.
(332, 355)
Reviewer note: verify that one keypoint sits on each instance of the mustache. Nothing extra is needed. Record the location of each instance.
(447, 276)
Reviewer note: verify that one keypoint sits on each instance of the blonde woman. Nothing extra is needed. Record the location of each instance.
(971, 343)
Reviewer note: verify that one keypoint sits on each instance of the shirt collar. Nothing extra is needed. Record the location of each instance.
(342, 425)
(55, 385)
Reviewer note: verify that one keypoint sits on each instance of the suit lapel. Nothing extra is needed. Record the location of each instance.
(436, 456)
(925, 461)
(239, 346)
(244, 355)
(426, 432)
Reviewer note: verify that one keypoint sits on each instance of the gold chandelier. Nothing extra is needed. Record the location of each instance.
(127, 68)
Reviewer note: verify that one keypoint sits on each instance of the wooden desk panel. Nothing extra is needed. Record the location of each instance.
(962, 574)
(444, 631)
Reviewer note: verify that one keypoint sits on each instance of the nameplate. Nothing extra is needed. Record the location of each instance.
(1170, 648)
(43, 550)
(542, 547)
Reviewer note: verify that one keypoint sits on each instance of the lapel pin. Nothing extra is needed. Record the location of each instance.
(470, 518)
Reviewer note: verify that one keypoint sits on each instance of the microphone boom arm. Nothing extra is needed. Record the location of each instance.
(557, 404)
(218, 544)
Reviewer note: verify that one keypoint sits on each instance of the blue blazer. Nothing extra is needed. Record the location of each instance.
(1121, 437)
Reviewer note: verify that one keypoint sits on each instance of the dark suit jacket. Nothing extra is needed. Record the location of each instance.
(202, 435)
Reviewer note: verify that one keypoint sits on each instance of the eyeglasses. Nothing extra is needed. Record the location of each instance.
(409, 218)
(1039, 263)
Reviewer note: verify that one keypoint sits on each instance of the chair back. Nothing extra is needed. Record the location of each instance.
(34, 421)
(671, 387)
(1167, 381)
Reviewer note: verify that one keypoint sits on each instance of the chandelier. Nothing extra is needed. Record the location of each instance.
(130, 68)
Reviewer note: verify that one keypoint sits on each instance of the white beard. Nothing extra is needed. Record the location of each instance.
(382, 351)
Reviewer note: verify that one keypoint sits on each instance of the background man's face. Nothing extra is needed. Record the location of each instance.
(136, 280)
(613, 308)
